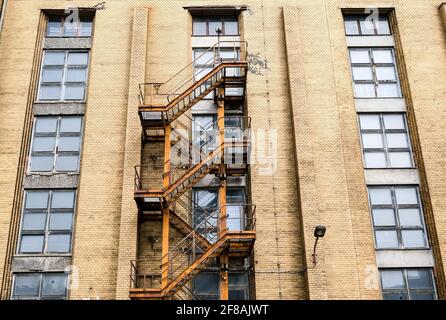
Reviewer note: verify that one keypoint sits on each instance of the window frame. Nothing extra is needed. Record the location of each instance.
(57, 135)
(243, 219)
(62, 18)
(245, 287)
(221, 18)
(398, 228)
(372, 65)
(40, 286)
(406, 290)
(375, 29)
(46, 232)
(63, 83)
(383, 132)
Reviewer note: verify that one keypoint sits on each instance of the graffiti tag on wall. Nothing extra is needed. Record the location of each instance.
(256, 64)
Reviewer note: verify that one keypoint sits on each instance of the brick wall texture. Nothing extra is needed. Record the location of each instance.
(303, 98)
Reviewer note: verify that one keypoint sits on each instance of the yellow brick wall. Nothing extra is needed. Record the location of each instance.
(306, 95)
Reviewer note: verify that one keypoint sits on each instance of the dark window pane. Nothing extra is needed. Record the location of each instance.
(380, 196)
(42, 163)
(238, 279)
(77, 58)
(76, 75)
(62, 199)
(237, 294)
(75, 92)
(54, 285)
(67, 163)
(34, 221)
(395, 296)
(31, 244)
(86, 27)
(69, 144)
(59, 243)
(36, 199)
(50, 92)
(392, 279)
(70, 124)
(386, 239)
(422, 296)
(382, 25)
(199, 27)
(70, 28)
(26, 285)
(206, 283)
(406, 195)
(231, 28)
(54, 58)
(46, 125)
(375, 159)
(419, 279)
(351, 25)
(61, 221)
(44, 143)
(54, 27)
(52, 74)
(214, 24)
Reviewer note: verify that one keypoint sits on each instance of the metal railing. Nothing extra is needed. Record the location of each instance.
(239, 217)
(140, 279)
(162, 92)
(189, 152)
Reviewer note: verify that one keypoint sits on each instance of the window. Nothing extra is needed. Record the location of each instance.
(66, 27)
(366, 25)
(397, 217)
(40, 286)
(238, 285)
(205, 213)
(56, 144)
(385, 141)
(47, 221)
(374, 73)
(205, 134)
(235, 209)
(407, 284)
(204, 61)
(63, 76)
(206, 286)
(208, 25)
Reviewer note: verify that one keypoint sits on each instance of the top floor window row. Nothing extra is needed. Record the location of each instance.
(67, 27)
(208, 25)
(367, 25)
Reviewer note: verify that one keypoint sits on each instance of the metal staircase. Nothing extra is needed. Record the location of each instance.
(205, 232)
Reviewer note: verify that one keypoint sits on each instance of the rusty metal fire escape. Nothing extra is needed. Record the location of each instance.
(206, 232)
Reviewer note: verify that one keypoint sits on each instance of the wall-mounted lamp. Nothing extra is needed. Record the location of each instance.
(152, 240)
(319, 232)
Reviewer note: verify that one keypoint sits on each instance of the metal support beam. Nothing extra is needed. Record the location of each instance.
(222, 194)
(166, 212)
(224, 287)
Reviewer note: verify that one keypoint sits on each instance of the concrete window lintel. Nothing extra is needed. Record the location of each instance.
(391, 176)
(42, 109)
(370, 41)
(381, 105)
(54, 181)
(64, 43)
(404, 258)
(43, 264)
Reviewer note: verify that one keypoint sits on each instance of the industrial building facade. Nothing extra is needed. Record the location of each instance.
(222, 150)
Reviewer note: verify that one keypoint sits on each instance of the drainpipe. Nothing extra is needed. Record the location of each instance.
(443, 13)
(2, 13)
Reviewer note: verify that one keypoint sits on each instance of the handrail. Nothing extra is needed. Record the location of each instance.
(241, 46)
